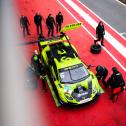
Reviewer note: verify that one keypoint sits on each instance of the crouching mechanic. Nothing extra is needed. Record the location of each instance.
(101, 74)
(116, 79)
(39, 68)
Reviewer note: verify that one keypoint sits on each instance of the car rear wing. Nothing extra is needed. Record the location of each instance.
(62, 37)
(54, 40)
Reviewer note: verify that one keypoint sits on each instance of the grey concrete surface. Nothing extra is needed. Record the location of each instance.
(111, 11)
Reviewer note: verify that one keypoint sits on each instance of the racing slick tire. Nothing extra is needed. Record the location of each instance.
(95, 49)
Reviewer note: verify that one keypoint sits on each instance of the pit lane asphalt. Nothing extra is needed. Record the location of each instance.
(110, 11)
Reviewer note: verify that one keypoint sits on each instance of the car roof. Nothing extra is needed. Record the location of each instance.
(67, 63)
(64, 55)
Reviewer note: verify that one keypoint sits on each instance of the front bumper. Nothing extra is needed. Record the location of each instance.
(84, 101)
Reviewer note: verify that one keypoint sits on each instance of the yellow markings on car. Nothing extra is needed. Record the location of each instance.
(71, 27)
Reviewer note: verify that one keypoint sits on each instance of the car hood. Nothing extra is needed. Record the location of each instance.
(80, 90)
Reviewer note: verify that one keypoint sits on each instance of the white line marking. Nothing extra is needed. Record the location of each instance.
(101, 19)
(120, 3)
(115, 43)
(123, 33)
(93, 37)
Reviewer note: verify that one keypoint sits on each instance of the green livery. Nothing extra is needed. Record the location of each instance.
(74, 82)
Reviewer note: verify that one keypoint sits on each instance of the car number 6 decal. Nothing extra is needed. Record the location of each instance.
(62, 75)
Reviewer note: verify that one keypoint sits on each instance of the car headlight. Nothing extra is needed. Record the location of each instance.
(68, 96)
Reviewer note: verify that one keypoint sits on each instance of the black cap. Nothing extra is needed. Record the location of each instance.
(114, 69)
(98, 67)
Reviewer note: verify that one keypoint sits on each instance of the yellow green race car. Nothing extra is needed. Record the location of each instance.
(74, 82)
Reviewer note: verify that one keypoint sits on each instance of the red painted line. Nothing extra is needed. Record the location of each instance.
(97, 19)
(92, 30)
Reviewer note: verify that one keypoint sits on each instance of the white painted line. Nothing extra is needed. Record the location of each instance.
(120, 3)
(93, 37)
(123, 33)
(115, 43)
(102, 20)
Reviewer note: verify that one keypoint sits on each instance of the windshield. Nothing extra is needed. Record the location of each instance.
(73, 74)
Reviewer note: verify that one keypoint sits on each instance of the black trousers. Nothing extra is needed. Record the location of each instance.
(25, 29)
(58, 27)
(39, 29)
(103, 77)
(50, 30)
(101, 39)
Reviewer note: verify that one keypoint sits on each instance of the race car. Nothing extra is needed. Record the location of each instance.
(74, 83)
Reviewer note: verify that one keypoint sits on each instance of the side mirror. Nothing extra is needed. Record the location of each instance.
(89, 66)
(54, 78)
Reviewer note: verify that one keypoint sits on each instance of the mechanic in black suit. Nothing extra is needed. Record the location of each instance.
(39, 68)
(100, 32)
(102, 73)
(50, 22)
(38, 22)
(59, 21)
(116, 79)
(24, 23)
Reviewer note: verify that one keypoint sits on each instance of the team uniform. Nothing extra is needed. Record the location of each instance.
(24, 23)
(50, 22)
(59, 21)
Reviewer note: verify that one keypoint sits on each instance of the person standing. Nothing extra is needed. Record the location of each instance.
(38, 22)
(59, 21)
(100, 32)
(24, 23)
(102, 73)
(50, 22)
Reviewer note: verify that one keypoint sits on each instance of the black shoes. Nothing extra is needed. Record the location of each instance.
(102, 44)
(95, 42)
